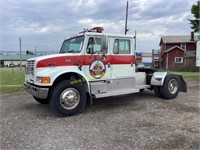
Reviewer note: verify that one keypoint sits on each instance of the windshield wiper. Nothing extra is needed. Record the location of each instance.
(73, 51)
(95, 52)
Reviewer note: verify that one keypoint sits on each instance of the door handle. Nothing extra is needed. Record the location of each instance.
(131, 64)
(108, 65)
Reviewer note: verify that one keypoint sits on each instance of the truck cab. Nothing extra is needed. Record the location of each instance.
(92, 65)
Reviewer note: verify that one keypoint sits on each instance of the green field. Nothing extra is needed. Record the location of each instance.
(13, 80)
(190, 74)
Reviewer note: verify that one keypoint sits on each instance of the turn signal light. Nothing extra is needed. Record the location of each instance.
(45, 79)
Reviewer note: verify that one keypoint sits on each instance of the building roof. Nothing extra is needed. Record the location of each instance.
(138, 54)
(177, 39)
(190, 53)
(15, 57)
(168, 50)
(146, 54)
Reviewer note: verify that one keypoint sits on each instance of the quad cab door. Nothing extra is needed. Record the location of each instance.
(122, 58)
(96, 59)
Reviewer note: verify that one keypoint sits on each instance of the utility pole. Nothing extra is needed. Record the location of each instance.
(160, 59)
(135, 37)
(20, 52)
(35, 51)
(126, 30)
(153, 58)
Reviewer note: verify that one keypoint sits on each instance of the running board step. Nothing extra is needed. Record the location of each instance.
(116, 93)
(142, 86)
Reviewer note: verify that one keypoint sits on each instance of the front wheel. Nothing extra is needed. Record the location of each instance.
(68, 98)
(170, 88)
(141, 90)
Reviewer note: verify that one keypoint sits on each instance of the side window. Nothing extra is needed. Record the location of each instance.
(178, 59)
(121, 46)
(183, 46)
(94, 45)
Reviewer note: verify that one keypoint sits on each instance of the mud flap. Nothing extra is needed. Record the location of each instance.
(182, 84)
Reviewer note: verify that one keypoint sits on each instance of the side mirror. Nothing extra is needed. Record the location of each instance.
(104, 43)
(103, 56)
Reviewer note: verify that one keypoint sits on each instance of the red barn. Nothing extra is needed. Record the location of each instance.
(178, 51)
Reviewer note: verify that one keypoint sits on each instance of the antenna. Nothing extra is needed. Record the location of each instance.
(126, 30)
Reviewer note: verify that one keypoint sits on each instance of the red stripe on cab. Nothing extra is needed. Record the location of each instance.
(85, 60)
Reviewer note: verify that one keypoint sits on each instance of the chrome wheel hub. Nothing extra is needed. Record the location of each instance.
(69, 98)
(173, 86)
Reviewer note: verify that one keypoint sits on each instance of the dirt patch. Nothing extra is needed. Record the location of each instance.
(135, 121)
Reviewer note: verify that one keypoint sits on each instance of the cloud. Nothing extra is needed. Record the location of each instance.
(109, 26)
(41, 21)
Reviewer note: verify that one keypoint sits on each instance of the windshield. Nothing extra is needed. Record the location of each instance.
(72, 45)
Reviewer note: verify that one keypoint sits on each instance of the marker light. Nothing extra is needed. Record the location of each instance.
(44, 80)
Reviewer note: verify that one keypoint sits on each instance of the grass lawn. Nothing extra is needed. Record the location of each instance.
(189, 74)
(11, 81)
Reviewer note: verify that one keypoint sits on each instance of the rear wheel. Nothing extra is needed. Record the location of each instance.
(157, 91)
(170, 88)
(41, 101)
(68, 98)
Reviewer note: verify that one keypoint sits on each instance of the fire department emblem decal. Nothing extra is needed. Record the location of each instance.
(97, 69)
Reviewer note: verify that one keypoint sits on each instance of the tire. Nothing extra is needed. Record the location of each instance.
(157, 91)
(41, 101)
(170, 88)
(68, 98)
(141, 90)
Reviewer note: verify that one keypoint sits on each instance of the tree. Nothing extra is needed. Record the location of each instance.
(195, 12)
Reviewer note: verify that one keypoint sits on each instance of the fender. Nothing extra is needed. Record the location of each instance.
(55, 72)
(158, 78)
(75, 72)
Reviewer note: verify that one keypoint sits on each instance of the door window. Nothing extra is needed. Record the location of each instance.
(94, 45)
(121, 46)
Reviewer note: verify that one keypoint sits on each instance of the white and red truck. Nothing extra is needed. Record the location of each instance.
(92, 65)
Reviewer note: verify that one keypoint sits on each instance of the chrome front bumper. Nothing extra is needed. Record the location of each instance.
(38, 92)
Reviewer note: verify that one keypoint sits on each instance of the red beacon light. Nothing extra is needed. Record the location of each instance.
(95, 29)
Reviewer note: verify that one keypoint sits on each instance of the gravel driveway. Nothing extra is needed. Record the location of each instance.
(136, 121)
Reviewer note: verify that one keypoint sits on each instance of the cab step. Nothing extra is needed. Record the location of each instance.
(116, 93)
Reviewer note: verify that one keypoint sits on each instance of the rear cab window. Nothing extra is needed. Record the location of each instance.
(122, 46)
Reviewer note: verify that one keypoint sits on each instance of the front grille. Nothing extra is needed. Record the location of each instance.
(30, 67)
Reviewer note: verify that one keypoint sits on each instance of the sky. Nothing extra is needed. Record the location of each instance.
(46, 23)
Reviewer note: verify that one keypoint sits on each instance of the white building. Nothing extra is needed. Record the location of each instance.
(147, 59)
(14, 60)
